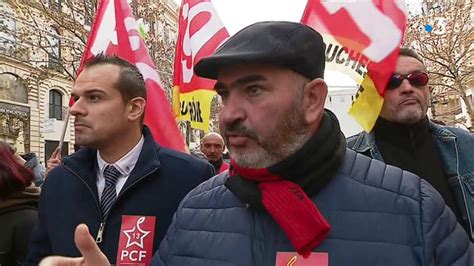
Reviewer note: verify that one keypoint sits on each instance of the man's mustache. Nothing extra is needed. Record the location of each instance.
(411, 97)
(239, 129)
(81, 122)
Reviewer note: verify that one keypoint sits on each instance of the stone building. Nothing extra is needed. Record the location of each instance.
(37, 71)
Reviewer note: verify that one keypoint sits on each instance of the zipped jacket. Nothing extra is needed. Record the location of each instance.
(379, 215)
(159, 181)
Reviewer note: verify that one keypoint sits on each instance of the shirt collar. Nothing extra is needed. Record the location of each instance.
(125, 164)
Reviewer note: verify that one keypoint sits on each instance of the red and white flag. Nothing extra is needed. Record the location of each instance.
(200, 33)
(115, 32)
(361, 37)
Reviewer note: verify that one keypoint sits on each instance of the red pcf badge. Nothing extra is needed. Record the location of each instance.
(294, 259)
(136, 240)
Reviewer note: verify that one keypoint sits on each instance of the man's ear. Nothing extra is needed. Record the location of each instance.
(314, 97)
(136, 108)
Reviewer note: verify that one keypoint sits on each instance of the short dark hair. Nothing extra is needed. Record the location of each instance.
(130, 82)
(14, 177)
(405, 51)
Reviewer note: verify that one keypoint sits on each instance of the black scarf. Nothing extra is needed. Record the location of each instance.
(412, 148)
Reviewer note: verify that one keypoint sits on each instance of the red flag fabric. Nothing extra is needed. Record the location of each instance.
(115, 32)
(200, 33)
(369, 33)
(71, 102)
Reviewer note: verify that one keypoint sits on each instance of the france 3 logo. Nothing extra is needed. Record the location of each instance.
(437, 26)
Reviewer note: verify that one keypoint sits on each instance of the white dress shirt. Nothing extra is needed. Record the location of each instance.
(124, 165)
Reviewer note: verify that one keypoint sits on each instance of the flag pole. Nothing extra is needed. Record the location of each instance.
(63, 133)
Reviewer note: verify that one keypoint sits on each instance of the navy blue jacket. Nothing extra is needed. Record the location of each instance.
(160, 180)
(379, 214)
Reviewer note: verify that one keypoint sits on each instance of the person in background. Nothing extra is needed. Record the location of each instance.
(405, 137)
(212, 145)
(53, 162)
(55, 158)
(32, 162)
(18, 206)
(199, 154)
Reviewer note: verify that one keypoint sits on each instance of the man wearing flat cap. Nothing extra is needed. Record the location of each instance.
(294, 194)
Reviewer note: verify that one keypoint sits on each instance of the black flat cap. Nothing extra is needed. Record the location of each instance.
(288, 44)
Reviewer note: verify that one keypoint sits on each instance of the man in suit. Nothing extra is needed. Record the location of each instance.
(121, 184)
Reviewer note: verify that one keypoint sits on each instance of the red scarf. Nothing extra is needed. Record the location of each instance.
(290, 207)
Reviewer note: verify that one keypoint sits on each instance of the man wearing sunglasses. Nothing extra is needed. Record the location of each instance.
(404, 136)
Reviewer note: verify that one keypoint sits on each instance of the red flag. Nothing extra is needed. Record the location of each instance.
(115, 32)
(71, 101)
(200, 32)
(368, 33)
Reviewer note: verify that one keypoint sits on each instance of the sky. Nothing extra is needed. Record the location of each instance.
(237, 14)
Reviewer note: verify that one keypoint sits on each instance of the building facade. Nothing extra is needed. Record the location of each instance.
(38, 62)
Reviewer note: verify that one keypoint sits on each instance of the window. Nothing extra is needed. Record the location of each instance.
(7, 26)
(54, 51)
(12, 88)
(55, 4)
(55, 105)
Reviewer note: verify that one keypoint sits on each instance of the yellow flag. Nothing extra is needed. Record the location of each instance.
(366, 107)
(194, 106)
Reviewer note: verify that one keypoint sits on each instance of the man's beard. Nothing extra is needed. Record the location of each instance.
(409, 116)
(291, 134)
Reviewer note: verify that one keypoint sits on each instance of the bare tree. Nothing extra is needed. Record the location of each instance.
(59, 30)
(54, 32)
(443, 35)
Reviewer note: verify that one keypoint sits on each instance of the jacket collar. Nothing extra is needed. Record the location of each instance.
(84, 163)
(365, 142)
(441, 131)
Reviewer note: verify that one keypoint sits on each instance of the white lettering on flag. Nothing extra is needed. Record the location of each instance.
(148, 72)
(192, 44)
(131, 24)
(106, 32)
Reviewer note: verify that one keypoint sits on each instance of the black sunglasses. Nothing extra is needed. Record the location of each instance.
(416, 79)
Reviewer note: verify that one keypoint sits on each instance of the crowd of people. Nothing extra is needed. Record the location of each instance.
(295, 189)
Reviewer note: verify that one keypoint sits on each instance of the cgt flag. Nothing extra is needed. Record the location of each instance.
(115, 32)
(363, 40)
(200, 32)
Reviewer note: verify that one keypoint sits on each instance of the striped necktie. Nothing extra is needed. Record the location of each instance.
(111, 174)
